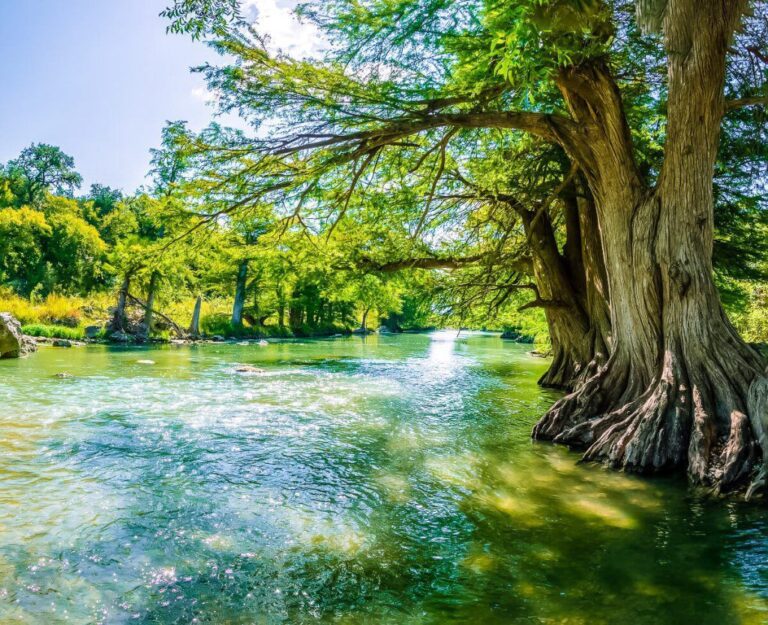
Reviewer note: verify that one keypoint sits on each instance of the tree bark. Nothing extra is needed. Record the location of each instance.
(573, 285)
(240, 289)
(280, 295)
(194, 327)
(146, 327)
(680, 390)
(118, 320)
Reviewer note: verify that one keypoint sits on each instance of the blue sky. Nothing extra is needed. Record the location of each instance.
(99, 78)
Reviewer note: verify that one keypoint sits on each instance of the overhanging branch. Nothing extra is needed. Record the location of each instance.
(739, 103)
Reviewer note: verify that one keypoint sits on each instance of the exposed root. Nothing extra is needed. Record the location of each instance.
(706, 421)
(757, 406)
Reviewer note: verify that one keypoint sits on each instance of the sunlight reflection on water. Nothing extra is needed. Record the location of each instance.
(376, 480)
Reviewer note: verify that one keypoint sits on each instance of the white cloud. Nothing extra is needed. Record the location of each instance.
(203, 95)
(276, 20)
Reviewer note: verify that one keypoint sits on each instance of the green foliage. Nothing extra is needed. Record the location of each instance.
(41, 168)
(24, 234)
(221, 325)
(105, 199)
(335, 200)
(54, 332)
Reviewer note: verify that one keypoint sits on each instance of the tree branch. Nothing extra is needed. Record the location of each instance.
(520, 265)
(542, 303)
(545, 126)
(758, 100)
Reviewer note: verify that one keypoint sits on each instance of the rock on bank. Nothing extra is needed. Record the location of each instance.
(13, 343)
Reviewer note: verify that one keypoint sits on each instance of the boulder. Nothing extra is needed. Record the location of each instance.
(13, 343)
(92, 332)
(62, 343)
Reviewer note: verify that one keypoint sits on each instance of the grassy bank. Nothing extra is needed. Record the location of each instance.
(67, 317)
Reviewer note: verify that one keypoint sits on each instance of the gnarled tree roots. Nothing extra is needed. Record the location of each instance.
(710, 420)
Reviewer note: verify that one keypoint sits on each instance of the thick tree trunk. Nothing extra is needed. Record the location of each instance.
(146, 327)
(240, 289)
(295, 310)
(118, 320)
(680, 390)
(194, 327)
(280, 294)
(571, 289)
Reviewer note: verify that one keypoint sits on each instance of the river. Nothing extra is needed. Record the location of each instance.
(385, 480)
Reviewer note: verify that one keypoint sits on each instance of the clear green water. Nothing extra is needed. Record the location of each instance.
(385, 480)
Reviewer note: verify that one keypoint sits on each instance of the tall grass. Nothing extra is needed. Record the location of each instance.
(53, 332)
(59, 310)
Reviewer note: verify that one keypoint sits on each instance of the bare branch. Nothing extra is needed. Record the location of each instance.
(758, 100)
(543, 303)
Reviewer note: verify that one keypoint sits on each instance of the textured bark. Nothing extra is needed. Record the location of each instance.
(573, 284)
(680, 390)
(240, 289)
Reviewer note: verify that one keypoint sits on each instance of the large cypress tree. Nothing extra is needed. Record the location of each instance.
(680, 389)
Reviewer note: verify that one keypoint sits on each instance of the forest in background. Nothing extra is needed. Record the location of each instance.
(438, 232)
(65, 254)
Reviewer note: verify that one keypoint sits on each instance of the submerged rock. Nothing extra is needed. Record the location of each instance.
(539, 354)
(248, 369)
(13, 343)
(63, 375)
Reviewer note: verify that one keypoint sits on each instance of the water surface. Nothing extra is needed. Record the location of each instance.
(381, 480)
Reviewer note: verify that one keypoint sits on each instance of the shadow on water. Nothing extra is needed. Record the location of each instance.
(391, 481)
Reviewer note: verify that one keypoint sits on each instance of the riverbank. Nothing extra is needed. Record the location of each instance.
(89, 319)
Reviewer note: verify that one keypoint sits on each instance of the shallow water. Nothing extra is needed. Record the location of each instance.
(378, 480)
